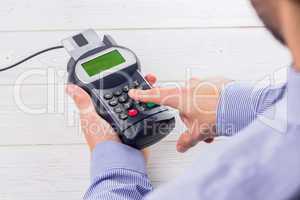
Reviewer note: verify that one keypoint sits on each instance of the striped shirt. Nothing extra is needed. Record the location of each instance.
(261, 162)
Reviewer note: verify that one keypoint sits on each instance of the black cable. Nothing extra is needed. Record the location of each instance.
(30, 57)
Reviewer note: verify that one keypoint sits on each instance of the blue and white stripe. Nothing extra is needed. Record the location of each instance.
(241, 103)
(118, 172)
(119, 184)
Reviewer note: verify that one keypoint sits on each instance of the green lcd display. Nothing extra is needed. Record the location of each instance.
(103, 62)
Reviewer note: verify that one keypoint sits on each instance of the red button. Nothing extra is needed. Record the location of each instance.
(133, 112)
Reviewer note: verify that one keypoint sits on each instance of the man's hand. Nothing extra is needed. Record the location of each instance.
(95, 129)
(197, 103)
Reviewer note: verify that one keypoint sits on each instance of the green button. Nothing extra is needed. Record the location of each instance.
(150, 105)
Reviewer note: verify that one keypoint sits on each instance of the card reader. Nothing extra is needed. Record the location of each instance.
(107, 71)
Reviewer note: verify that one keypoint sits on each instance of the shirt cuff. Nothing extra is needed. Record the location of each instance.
(237, 107)
(112, 155)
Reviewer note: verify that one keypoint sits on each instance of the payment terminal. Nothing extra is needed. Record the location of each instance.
(107, 71)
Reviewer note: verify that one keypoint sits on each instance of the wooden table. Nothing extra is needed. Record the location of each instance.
(43, 155)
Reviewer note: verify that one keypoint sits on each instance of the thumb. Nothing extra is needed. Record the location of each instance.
(81, 99)
(163, 96)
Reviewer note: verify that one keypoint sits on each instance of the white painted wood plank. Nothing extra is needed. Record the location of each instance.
(30, 171)
(18, 127)
(54, 98)
(237, 53)
(118, 14)
(21, 126)
(57, 172)
(62, 172)
(245, 54)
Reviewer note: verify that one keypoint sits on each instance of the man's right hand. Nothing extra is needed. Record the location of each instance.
(197, 103)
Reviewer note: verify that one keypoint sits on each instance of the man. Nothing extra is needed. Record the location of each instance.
(261, 162)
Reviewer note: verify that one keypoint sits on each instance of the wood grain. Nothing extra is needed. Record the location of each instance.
(118, 14)
(45, 115)
(21, 128)
(43, 155)
(62, 171)
(246, 54)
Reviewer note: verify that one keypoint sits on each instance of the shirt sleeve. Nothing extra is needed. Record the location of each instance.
(241, 103)
(117, 172)
(261, 162)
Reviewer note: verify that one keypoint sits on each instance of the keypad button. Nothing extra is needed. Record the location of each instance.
(123, 116)
(135, 84)
(133, 112)
(126, 88)
(136, 103)
(151, 105)
(123, 99)
(108, 96)
(118, 109)
(117, 93)
(113, 102)
(141, 108)
(127, 105)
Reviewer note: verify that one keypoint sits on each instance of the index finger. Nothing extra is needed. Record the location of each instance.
(163, 96)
